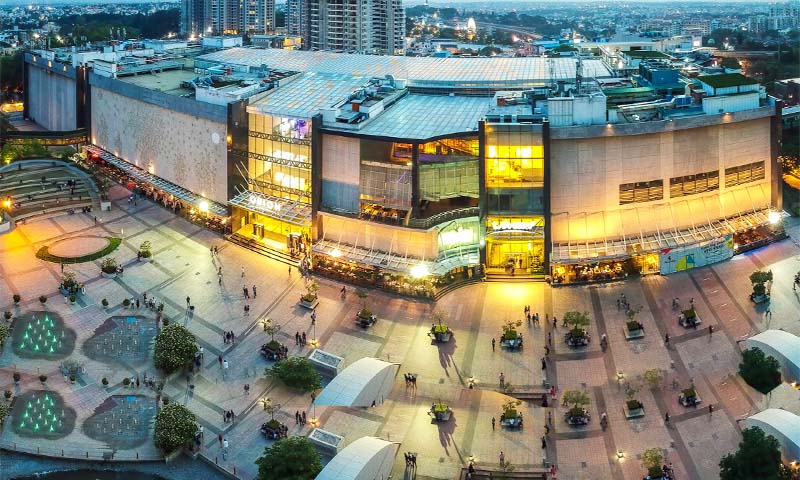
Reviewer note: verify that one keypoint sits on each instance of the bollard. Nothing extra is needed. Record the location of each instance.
(216, 460)
(87, 454)
(234, 469)
(62, 452)
(137, 455)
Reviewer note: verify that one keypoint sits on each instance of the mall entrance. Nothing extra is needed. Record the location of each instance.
(523, 255)
(274, 233)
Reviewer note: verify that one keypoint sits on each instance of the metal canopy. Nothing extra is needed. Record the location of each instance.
(160, 183)
(395, 261)
(294, 212)
(655, 241)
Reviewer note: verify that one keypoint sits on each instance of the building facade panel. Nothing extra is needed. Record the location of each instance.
(187, 150)
(51, 98)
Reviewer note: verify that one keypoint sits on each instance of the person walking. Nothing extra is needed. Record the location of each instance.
(224, 368)
(219, 437)
(666, 419)
(304, 417)
(242, 271)
(544, 442)
(254, 291)
(290, 270)
(555, 322)
(297, 338)
(297, 417)
(710, 409)
(303, 338)
(247, 389)
(493, 423)
(202, 353)
(225, 445)
(546, 351)
(710, 330)
(493, 342)
(544, 364)
(201, 431)
(188, 301)
(219, 278)
(219, 359)
(502, 459)
(550, 338)
(666, 340)
(502, 380)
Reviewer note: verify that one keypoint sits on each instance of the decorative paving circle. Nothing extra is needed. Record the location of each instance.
(78, 249)
(78, 246)
(42, 335)
(42, 414)
(122, 421)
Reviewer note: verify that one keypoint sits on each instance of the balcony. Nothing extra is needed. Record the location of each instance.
(439, 218)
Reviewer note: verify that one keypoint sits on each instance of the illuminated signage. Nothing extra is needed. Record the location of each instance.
(264, 204)
(456, 237)
(503, 225)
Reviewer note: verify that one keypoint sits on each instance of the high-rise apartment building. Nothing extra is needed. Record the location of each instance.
(227, 17)
(195, 17)
(364, 26)
(297, 18)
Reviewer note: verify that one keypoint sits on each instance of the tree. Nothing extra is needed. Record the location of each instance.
(4, 332)
(653, 377)
(758, 456)
(652, 459)
(175, 427)
(292, 458)
(578, 320)
(5, 410)
(578, 399)
(296, 372)
(176, 348)
(363, 294)
(758, 279)
(760, 371)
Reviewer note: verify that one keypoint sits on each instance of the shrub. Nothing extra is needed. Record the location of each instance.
(7, 394)
(104, 382)
(146, 249)
(109, 265)
(72, 298)
(291, 458)
(578, 320)
(632, 325)
(17, 376)
(175, 348)
(68, 279)
(126, 303)
(104, 302)
(5, 331)
(7, 315)
(126, 381)
(296, 372)
(42, 378)
(5, 410)
(17, 298)
(175, 427)
(760, 371)
(43, 299)
(633, 404)
(72, 378)
(577, 398)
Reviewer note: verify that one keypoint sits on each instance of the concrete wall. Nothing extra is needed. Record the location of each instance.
(587, 173)
(51, 96)
(185, 149)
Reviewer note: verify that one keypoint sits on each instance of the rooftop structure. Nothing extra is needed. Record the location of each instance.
(367, 458)
(726, 80)
(311, 92)
(421, 72)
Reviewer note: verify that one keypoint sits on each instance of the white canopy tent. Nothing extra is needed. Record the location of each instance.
(363, 382)
(368, 458)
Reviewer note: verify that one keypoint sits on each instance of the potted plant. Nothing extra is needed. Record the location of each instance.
(688, 397)
(439, 329)
(42, 299)
(511, 417)
(17, 299)
(633, 407)
(577, 414)
(689, 319)
(68, 281)
(104, 302)
(652, 460)
(126, 381)
(511, 338)
(72, 298)
(43, 378)
(108, 267)
(7, 394)
(759, 280)
(364, 317)
(72, 378)
(145, 251)
(440, 411)
(16, 377)
(633, 328)
(7, 315)
(309, 300)
(577, 335)
(126, 303)
(104, 382)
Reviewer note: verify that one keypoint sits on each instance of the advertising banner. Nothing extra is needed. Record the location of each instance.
(686, 258)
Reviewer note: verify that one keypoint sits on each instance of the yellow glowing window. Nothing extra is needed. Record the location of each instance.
(491, 151)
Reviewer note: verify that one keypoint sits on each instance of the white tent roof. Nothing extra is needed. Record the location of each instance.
(781, 344)
(361, 383)
(368, 458)
(783, 425)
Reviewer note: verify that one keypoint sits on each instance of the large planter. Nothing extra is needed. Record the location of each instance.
(759, 298)
(689, 319)
(441, 333)
(633, 330)
(633, 409)
(309, 301)
(365, 318)
(109, 275)
(689, 398)
(577, 338)
(440, 412)
(577, 416)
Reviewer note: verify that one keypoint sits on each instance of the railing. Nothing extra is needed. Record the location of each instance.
(70, 137)
(280, 138)
(104, 454)
(439, 218)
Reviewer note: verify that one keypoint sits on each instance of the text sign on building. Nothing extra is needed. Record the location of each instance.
(519, 226)
(679, 259)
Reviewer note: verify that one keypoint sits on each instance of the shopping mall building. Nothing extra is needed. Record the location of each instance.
(414, 173)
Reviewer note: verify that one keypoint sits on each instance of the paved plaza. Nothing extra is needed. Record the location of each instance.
(114, 343)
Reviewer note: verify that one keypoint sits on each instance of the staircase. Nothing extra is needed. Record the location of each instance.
(516, 278)
(262, 249)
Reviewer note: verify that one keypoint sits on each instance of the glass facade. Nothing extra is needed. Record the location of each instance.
(514, 178)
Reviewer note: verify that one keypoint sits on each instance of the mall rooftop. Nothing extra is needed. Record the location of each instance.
(421, 73)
